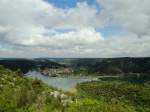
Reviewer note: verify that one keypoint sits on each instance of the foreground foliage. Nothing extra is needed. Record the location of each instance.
(119, 96)
(20, 94)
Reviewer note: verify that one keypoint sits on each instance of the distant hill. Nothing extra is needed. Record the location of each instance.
(96, 65)
(111, 65)
(123, 65)
(28, 64)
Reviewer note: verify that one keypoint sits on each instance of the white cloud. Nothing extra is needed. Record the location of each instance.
(33, 23)
(110, 47)
(83, 36)
(128, 45)
(38, 13)
(133, 15)
(29, 28)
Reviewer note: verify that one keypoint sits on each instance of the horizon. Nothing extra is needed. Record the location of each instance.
(69, 57)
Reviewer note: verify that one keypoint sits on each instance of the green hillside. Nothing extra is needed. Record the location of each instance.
(20, 94)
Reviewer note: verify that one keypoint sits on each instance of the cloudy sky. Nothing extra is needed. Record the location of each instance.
(74, 28)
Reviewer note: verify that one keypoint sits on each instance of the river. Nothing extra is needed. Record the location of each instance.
(68, 83)
(63, 83)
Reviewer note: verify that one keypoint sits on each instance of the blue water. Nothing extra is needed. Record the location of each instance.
(63, 83)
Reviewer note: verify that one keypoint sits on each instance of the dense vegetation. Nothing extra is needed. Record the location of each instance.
(20, 94)
(118, 96)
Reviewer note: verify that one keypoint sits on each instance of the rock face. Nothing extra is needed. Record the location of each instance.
(53, 72)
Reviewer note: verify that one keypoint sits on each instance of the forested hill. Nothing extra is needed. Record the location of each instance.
(95, 65)
(114, 65)
(28, 64)
(109, 65)
(123, 65)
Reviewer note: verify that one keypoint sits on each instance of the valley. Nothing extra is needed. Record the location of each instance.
(75, 85)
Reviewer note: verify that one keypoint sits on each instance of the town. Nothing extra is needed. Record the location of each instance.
(54, 72)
